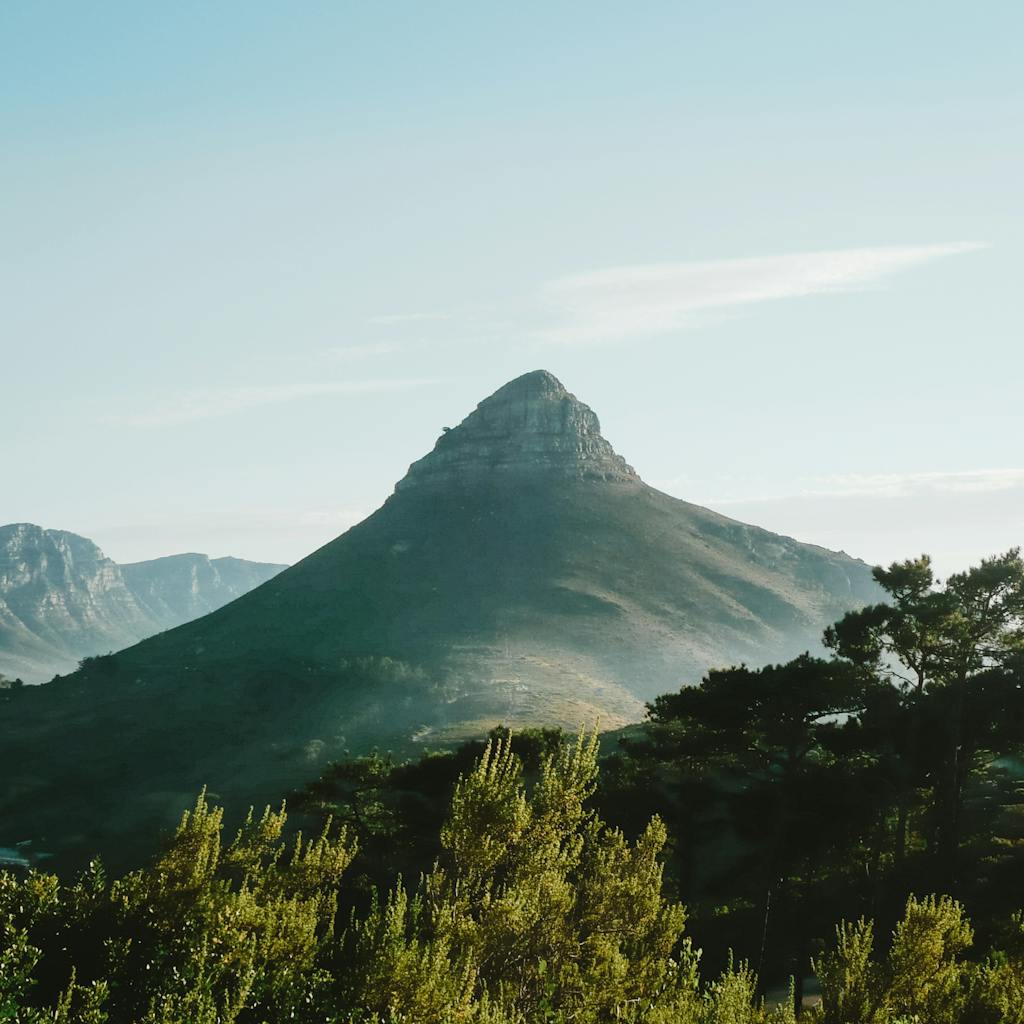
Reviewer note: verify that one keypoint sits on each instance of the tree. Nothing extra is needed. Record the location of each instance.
(924, 977)
(536, 912)
(954, 652)
(764, 742)
(395, 810)
(535, 905)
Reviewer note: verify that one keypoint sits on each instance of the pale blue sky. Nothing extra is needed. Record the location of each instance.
(255, 256)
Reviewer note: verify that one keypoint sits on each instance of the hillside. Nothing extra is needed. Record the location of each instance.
(62, 599)
(521, 572)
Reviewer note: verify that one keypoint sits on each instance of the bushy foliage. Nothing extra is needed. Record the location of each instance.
(535, 911)
(535, 906)
(823, 788)
(925, 977)
(206, 934)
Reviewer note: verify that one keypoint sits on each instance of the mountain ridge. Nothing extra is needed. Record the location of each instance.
(520, 572)
(62, 599)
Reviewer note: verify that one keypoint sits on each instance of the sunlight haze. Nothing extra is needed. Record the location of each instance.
(256, 257)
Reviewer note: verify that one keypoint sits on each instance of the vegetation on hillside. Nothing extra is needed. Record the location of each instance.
(534, 911)
(510, 881)
(797, 794)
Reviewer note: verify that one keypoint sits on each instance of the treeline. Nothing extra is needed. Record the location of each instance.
(535, 910)
(9, 684)
(795, 795)
(799, 793)
(492, 884)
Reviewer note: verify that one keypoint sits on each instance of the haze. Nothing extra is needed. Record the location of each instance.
(256, 258)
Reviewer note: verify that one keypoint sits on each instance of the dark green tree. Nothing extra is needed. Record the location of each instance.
(763, 745)
(954, 653)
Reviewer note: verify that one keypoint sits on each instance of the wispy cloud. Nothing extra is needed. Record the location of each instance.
(895, 485)
(656, 298)
(408, 318)
(339, 353)
(215, 402)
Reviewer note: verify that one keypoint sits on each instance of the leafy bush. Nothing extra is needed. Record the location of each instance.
(535, 911)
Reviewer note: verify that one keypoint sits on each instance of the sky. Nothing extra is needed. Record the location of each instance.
(255, 256)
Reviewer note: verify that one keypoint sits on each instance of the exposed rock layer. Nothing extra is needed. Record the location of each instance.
(178, 588)
(531, 426)
(62, 599)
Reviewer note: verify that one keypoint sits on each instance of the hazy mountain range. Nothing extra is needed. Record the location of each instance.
(520, 572)
(62, 599)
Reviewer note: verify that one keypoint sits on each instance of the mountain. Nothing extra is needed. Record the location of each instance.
(62, 599)
(520, 572)
(178, 588)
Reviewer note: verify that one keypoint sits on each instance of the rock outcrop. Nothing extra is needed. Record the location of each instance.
(62, 599)
(179, 588)
(531, 426)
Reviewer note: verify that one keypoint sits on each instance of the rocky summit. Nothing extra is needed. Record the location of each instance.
(532, 426)
(520, 572)
(62, 599)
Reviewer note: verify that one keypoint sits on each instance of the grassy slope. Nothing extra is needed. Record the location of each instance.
(520, 602)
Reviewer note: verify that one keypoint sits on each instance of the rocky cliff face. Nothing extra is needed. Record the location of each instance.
(62, 599)
(532, 426)
(178, 588)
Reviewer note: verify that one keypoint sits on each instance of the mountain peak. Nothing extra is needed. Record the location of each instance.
(530, 425)
(541, 382)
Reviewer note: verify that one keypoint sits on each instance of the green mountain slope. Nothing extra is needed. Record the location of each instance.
(521, 572)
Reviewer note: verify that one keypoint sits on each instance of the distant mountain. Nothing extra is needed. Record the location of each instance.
(179, 588)
(526, 563)
(62, 599)
(521, 572)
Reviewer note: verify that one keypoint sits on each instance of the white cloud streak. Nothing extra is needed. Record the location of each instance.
(216, 402)
(658, 298)
(899, 485)
(369, 350)
(896, 485)
(407, 318)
